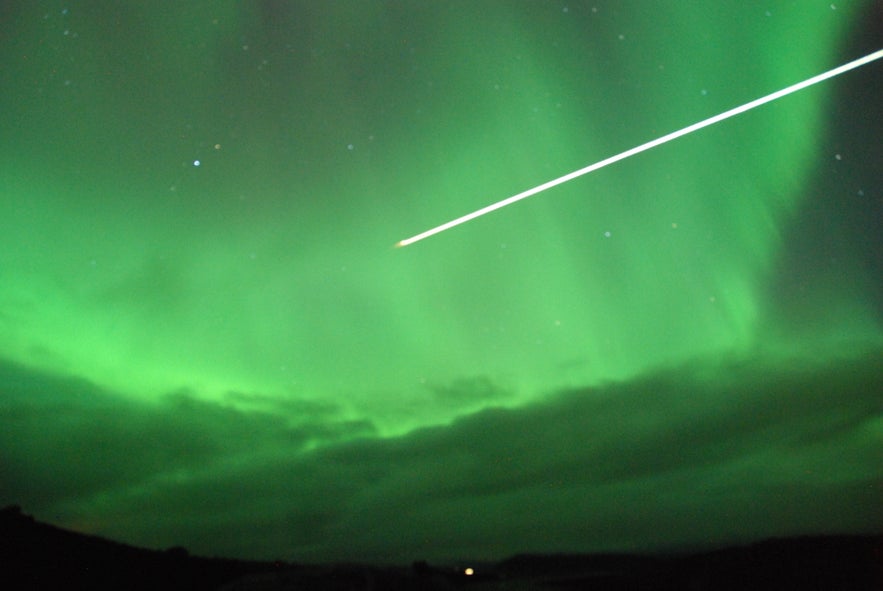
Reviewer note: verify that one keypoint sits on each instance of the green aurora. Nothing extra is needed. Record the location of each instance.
(207, 338)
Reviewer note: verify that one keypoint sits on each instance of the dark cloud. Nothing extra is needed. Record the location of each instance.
(465, 391)
(66, 438)
(700, 454)
(670, 459)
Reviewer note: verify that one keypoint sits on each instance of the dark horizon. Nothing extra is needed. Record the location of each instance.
(38, 555)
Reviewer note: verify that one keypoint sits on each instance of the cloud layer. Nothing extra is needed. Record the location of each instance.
(700, 454)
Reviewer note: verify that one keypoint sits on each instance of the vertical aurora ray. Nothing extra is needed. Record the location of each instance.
(320, 134)
(649, 145)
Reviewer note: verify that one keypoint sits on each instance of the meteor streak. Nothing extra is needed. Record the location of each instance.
(644, 147)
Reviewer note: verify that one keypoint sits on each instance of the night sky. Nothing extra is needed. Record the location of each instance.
(208, 339)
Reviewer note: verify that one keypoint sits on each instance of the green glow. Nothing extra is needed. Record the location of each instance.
(261, 283)
(649, 145)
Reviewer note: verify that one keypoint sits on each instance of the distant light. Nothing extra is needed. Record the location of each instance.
(468, 572)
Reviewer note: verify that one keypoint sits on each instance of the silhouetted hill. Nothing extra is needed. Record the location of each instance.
(819, 563)
(37, 556)
(806, 563)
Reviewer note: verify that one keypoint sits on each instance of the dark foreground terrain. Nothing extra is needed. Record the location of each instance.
(37, 556)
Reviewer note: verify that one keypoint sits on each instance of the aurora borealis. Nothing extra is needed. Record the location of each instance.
(207, 338)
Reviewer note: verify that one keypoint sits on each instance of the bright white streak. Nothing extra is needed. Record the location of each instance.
(644, 147)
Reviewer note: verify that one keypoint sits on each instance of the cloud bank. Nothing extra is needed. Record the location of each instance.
(702, 454)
